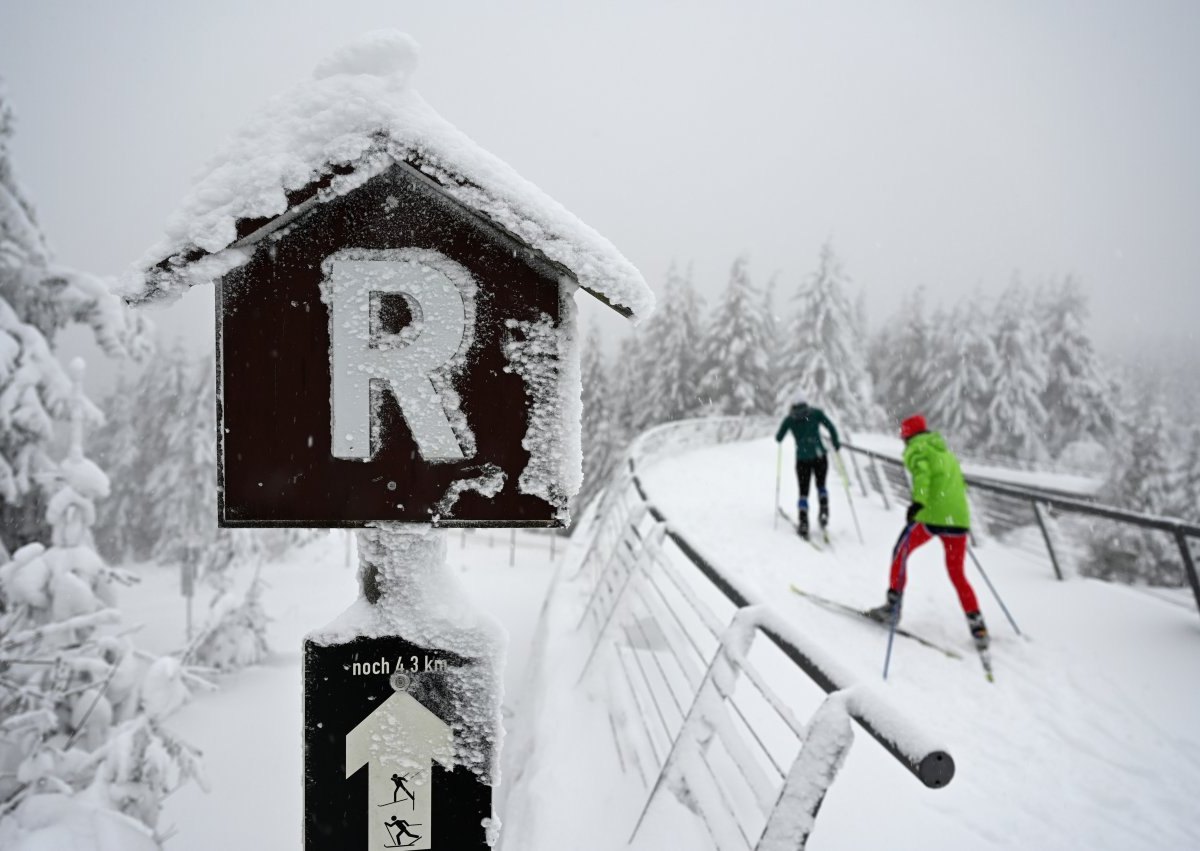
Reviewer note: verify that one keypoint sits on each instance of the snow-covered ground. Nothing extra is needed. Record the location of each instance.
(250, 730)
(1087, 739)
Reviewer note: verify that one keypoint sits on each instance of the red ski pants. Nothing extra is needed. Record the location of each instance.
(955, 545)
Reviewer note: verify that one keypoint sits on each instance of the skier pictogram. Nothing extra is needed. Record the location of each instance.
(401, 828)
(400, 787)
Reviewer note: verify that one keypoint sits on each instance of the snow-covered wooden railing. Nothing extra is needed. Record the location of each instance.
(701, 718)
(1005, 506)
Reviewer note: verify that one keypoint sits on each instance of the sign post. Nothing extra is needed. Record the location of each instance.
(402, 707)
(396, 352)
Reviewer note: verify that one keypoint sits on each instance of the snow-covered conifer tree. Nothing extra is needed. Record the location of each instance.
(83, 750)
(1074, 396)
(36, 300)
(632, 410)
(909, 362)
(235, 631)
(961, 377)
(1143, 481)
(823, 358)
(673, 336)
(183, 484)
(774, 324)
(599, 425)
(734, 369)
(1015, 423)
(130, 444)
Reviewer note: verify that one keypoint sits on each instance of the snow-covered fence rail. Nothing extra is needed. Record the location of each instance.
(1007, 507)
(691, 711)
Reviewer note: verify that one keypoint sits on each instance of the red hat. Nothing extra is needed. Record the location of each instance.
(913, 425)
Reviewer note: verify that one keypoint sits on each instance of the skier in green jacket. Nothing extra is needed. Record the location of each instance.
(804, 422)
(939, 509)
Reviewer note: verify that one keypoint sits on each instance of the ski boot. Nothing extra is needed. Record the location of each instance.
(823, 511)
(978, 630)
(802, 525)
(889, 610)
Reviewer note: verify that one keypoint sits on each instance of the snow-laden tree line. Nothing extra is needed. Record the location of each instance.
(85, 759)
(1011, 379)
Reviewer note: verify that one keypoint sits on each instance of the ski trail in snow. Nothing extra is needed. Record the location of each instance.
(1086, 740)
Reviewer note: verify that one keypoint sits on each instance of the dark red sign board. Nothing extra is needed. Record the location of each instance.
(365, 365)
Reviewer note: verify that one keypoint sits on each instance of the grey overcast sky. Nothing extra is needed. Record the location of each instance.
(947, 143)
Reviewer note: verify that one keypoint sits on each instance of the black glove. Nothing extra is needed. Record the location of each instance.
(913, 510)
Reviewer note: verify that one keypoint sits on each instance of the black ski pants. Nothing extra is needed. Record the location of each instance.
(809, 468)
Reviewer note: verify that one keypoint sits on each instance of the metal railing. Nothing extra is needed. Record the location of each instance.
(697, 706)
(1007, 508)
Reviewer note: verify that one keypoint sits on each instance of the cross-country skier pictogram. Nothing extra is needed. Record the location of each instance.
(400, 787)
(402, 829)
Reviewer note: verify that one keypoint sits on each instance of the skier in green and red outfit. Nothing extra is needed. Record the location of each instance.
(804, 422)
(939, 509)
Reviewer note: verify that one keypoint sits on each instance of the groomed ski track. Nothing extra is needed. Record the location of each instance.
(1087, 740)
(1089, 737)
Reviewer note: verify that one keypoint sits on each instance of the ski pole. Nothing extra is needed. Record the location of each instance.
(846, 484)
(902, 544)
(778, 476)
(996, 594)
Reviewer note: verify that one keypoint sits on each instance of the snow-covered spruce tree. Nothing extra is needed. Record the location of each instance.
(774, 325)
(734, 361)
(599, 426)
(1075, 396)
(182, 486)
(1143, 481)
(84, 762)
(961, 377)
(909, 361)
(823, 358)
(632, 411)
(37, 299)
(879, 363)
(235, 631)
(130, 445)
(1015, 423)
(673, 336)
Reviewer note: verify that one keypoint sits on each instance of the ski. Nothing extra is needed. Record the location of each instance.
(834, 605)
(985, 656)
(795, 529)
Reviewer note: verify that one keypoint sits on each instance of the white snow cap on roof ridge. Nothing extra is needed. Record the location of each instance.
(360, 105)
(380, 53)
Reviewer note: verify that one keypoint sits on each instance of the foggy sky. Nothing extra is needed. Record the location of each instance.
(943, 144)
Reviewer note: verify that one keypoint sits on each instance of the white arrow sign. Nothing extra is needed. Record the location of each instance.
(398, 743)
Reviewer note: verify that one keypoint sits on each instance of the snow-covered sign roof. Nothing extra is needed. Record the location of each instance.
(358, 115)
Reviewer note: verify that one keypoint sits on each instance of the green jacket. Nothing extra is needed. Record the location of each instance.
(937, 482)
(804, 422)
